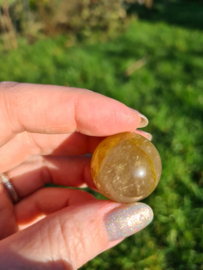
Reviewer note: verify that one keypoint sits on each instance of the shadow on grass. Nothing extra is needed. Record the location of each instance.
(188, 14)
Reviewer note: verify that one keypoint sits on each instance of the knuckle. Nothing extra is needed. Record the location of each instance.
(29, 142)
(82, 237)
(5, 85)
(77, 239)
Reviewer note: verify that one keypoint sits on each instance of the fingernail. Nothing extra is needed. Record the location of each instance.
(127, 220)
(83, 186)
(144, 121)
(148, 135)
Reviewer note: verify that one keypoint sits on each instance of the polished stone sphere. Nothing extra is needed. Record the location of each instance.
(126, 167)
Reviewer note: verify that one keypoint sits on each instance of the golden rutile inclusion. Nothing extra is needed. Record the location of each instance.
(126, 167)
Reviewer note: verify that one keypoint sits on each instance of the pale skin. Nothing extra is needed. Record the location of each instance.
(45, 130)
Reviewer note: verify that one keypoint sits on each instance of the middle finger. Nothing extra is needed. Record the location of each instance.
(59, 170)
(27, 144)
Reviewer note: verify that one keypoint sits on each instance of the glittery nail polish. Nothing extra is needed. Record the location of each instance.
(127, 220)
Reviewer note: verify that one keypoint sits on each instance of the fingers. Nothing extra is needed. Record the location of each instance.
(59, 110)
(75, 234)
(37, 171)
(25, 144)
(47, 201)
(8, 223)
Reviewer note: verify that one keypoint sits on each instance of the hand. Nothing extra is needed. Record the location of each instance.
(45, 132)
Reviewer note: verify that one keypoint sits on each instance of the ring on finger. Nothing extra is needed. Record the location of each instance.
(10, 189)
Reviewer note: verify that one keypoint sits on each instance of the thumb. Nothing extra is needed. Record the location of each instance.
(71, 237)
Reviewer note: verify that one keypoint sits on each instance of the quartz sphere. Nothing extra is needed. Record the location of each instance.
(126, 167)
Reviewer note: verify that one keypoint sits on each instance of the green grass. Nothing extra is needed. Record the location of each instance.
(168, 89)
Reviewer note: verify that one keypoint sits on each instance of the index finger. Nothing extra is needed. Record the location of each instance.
(52, 109)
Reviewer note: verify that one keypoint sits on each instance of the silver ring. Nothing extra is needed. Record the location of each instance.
(9, 187)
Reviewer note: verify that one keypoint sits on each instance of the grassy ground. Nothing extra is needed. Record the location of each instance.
(168, 89)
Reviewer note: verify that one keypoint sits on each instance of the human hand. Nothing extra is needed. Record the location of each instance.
(45, 133)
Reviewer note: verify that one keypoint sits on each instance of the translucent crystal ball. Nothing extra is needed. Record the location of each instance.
(126, 167)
